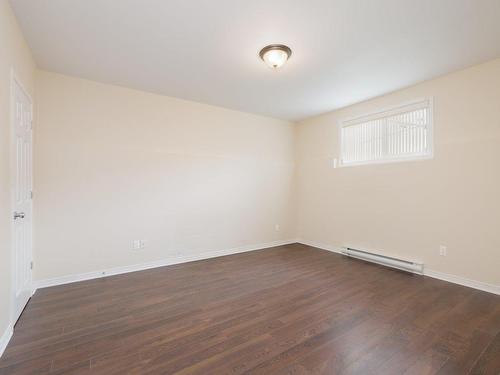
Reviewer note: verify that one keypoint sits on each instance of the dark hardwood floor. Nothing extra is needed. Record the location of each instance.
(286, 310)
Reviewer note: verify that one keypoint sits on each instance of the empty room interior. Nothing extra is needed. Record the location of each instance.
(250, 187)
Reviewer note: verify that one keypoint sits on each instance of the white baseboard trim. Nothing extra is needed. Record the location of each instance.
(495, 289)
(490, 288)
(4, 340)
(322, 246)
(154, 264)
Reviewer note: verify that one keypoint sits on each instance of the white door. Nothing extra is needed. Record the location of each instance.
(21, 195)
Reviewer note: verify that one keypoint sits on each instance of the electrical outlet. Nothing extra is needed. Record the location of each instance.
(442, 250)
(138, 244)
(277, 227)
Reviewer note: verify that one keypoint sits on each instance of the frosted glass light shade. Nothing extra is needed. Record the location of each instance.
(275, 55)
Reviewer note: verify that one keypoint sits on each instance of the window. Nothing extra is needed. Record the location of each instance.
(397, 134)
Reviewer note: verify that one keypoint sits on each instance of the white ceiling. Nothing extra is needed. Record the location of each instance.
(344, 51)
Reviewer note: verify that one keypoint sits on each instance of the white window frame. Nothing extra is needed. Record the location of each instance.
(385, 112)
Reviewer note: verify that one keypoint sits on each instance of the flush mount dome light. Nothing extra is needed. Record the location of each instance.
(275, 55)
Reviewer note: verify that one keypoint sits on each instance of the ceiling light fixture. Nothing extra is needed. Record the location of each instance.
(275, 55)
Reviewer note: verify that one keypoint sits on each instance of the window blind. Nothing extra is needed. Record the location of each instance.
(400, 133)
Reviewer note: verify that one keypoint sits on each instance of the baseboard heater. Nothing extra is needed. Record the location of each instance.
(384, 260)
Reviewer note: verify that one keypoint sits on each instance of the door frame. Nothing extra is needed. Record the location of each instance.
(15, 80)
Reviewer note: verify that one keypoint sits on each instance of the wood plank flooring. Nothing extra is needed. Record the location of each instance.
(286, 310)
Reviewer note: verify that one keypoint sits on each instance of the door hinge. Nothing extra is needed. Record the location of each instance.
(31, 194)
(31, 265)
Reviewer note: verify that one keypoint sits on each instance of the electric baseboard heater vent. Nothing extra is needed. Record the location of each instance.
(402, 264)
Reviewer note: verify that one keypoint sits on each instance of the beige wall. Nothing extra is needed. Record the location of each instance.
(14, 54)
(113, 165)
(409, 209)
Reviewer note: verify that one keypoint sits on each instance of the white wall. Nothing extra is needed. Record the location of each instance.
(14, 54)
(113, 165)
(409, 209)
